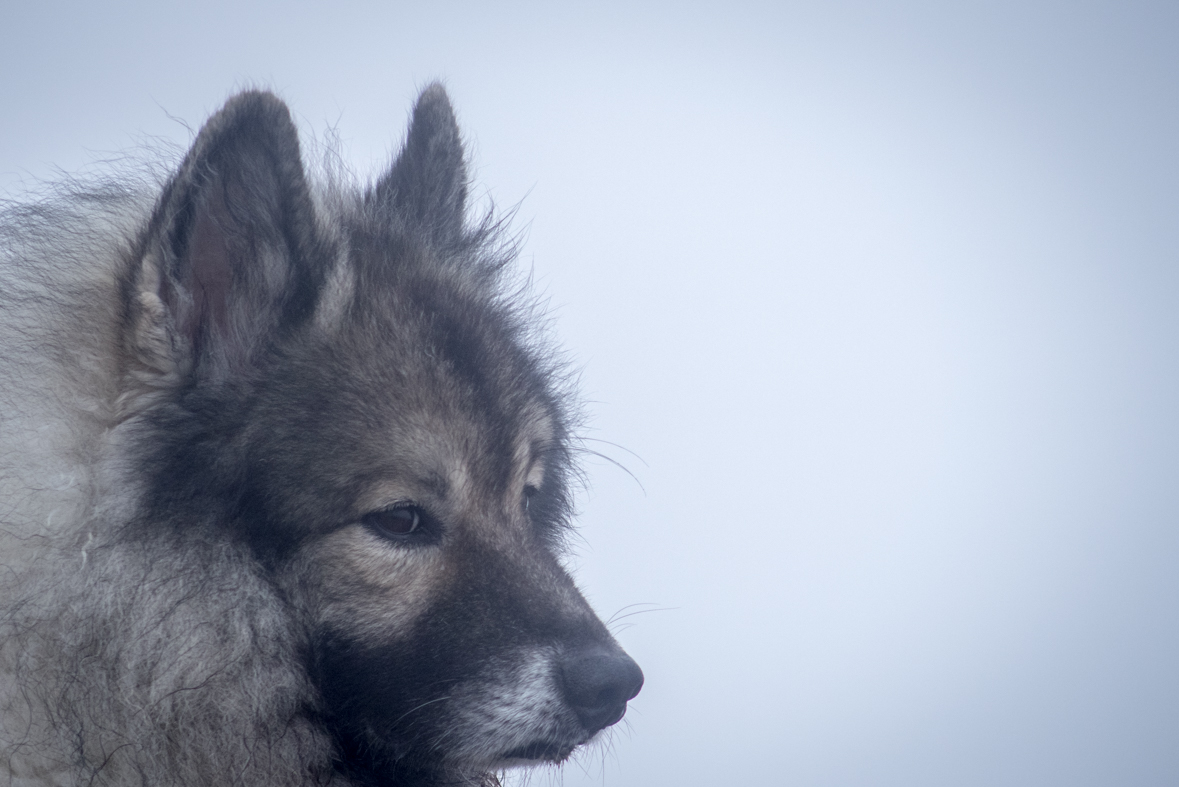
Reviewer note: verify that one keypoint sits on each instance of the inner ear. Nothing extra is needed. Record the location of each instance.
(427, 185)
(233, 238)
(198, 289)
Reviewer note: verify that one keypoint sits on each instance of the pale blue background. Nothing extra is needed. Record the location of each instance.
(882, 294)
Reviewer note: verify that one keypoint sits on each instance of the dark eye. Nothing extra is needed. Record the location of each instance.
(396, 523)
(529, 492)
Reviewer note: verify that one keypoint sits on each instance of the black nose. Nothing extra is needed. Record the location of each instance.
(598, 681)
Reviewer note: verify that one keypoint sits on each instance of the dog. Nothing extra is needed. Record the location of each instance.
(285, 468)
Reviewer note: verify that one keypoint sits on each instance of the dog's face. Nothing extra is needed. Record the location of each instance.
(433, 485)
(363, 409)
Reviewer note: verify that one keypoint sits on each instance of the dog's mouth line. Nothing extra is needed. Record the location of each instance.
(539, 750)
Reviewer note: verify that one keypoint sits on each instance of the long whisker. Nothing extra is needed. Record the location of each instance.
(617, 464)
(617, 616)
(616, 445)
(419, 707)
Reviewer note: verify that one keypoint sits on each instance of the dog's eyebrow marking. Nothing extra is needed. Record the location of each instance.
(436, 483)
(534, 476)
(533, 447)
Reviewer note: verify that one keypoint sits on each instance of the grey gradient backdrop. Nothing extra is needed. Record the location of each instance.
(882, 296)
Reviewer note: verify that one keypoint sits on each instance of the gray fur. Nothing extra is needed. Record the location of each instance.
(224, 392)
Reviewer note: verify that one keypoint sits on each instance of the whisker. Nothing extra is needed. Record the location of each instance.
(417, 708)
(616, 445)
(617, 616)
(617, 464)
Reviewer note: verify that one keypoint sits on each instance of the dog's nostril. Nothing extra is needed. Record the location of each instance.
(598, 681)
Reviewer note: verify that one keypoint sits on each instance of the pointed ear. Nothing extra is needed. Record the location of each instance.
(231, 256)
(427, 185)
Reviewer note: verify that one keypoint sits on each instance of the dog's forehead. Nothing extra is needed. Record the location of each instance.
(456, 454)
(443, 422)
(438, 362)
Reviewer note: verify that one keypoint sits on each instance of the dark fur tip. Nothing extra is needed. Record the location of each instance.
(252, 119)
(434, 134)
(427, 186)
(434, 116)
(256, 103)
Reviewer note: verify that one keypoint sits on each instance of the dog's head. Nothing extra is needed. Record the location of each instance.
(341, 381)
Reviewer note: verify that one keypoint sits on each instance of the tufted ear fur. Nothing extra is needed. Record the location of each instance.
(231, 256)
(427, 184)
